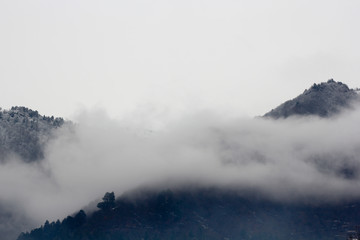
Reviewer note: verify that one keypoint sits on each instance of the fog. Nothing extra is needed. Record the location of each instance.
(294, 159)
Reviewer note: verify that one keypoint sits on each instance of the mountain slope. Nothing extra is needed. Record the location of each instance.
(24, 132)
(213, 213)
(23, 135)
(203, 214)
(324, 100)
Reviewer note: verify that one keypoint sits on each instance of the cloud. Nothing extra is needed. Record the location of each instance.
(295, 159)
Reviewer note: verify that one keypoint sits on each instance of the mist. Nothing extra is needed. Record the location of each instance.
(294, 159)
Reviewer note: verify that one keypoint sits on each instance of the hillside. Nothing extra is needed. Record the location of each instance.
(324, 100)
(24, 132)
(226, 213)
(203, 214)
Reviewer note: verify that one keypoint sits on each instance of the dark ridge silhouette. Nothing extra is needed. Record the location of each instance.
(203, 214)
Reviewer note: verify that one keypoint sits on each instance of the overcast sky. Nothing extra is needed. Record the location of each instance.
(140, 61)
(239, 57)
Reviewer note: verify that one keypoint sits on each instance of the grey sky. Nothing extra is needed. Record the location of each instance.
(240, 57)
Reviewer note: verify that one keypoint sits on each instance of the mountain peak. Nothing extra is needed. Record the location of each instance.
(324, 100)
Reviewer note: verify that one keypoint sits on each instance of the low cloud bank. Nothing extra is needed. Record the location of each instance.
(294, 159)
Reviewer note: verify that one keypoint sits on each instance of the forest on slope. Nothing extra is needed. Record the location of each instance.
(202, 214)
(24, 132)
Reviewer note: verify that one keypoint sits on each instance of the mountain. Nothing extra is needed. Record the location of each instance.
(209, 214)
(324, 100)
(24, 132)
(223, 213)
(23, 135)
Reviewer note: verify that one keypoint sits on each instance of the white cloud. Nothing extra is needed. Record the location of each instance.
(292, 159)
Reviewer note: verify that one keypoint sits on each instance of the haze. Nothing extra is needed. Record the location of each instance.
(243, 57)
(305, 159)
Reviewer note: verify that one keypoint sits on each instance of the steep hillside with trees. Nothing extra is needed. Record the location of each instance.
(24, 132)
(202, 214)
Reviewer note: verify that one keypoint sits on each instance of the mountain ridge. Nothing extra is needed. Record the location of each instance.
(324, 100)
(220, 213)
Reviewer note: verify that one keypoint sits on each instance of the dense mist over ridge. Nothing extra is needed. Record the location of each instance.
(305, 157)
